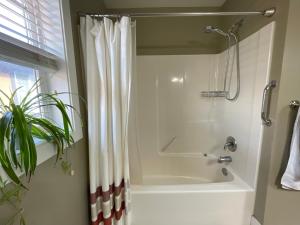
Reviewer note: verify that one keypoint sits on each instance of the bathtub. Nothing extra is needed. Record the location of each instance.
(213, 195)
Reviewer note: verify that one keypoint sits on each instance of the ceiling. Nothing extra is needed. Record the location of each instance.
(162, 3)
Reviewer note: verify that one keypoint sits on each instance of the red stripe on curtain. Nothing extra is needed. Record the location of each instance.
(115, 190)
(117, 214)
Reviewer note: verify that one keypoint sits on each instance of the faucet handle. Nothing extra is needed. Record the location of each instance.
(230, 144)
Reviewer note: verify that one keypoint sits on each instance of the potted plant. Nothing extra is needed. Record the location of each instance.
(19, 128)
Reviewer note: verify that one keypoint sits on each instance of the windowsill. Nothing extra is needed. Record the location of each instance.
(45, 151)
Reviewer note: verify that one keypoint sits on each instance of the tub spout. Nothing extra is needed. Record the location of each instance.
(225, 159)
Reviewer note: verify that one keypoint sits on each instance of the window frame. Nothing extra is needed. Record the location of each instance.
(47, 150)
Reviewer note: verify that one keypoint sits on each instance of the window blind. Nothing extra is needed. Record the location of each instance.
(37, 23)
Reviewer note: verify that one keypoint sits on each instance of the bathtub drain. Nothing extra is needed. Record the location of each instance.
(224, 171)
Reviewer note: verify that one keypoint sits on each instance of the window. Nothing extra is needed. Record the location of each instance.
(32, 47)
(13, 76)
(35, 22)
(33, 26)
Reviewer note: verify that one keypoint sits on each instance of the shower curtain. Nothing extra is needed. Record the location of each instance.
(108, 50)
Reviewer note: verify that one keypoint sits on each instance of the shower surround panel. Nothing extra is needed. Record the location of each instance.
(181, 134)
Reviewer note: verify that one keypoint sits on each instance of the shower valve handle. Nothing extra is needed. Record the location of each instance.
(230, 144)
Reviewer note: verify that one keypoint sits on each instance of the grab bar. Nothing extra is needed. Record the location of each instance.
(266, 103)
(164, 148)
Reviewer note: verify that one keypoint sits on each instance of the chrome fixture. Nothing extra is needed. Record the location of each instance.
(213, 94)
(230, 144)
(225, 159)
(294, 104)
(224, 171)
(266, 103)
(236, 55)
(211, 29)
(266, 13)
(231, 38)
(236, 26)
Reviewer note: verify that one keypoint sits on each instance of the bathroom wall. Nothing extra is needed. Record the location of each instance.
(176, 35)
(282, 207)
(54, 197)
(174, 119)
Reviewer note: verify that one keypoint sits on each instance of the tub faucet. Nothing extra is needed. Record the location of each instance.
(225, 159)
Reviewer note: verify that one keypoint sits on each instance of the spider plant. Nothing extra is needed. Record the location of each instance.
(19, 127)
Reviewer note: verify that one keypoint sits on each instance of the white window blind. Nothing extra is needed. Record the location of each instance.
(35, 23)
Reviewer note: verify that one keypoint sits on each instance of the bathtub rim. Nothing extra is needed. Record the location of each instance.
(236, 185)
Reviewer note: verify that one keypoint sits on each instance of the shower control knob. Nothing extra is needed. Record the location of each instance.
(230, 144)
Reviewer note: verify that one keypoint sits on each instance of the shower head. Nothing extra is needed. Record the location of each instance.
(211, 29)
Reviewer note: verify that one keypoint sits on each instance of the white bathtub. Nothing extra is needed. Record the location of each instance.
(187, 199)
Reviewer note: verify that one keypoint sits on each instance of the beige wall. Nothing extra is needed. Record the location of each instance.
(56, 198)
(282, 207)
(176, 35)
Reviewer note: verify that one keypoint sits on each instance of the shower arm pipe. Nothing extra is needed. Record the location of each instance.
(266, 13)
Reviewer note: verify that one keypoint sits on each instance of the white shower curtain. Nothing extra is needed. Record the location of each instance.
(109, 51)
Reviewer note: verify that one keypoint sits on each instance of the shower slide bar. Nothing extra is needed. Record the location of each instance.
(266, 13)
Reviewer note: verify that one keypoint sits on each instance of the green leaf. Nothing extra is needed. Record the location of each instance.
(56, 133)
(10, 194)
(10, 171)
(20, 125)
(66, 166)
(22, 220)
(40, 133)
(5, 123)
(34, 87)
(13, 149)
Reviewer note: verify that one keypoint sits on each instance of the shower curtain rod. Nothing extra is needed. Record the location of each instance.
(267, 13)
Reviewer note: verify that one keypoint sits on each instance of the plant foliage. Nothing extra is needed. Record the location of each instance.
(19, 127)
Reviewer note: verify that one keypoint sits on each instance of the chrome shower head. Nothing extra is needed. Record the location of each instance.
(211, 29)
